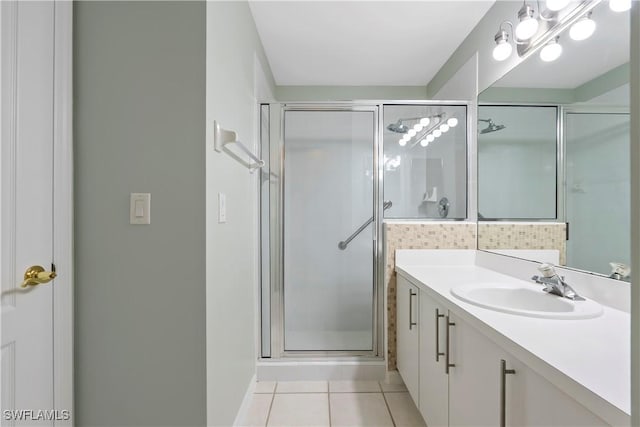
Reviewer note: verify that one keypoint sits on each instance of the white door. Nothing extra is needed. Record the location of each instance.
(27, 214)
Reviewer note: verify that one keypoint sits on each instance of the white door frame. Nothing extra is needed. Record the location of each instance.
(63, 308)
(63, 209)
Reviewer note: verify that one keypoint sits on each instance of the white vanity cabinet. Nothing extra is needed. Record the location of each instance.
(434, 384)
(408, 357)
(477, 396)
(469, 392)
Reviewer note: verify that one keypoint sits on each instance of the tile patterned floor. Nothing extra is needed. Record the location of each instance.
(332, 403)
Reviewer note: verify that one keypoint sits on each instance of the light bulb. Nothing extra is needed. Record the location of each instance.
(452, 122)
(502, 50)
(551, 51)
(430, 138)
(444, 127)
(412, 133)
(437, 133)
(583, 28)
(620, 5)
(424, 142)
(556, 5)
(418, 127)
(402, 142)
(528, 25)
(425, 121)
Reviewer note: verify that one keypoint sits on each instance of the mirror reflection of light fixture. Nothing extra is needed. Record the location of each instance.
(424, 142)
(556, 5)
(402, 142)
(444, 128)
(437, 133)
(425, 121)
(528, 25)
(583, 28)
(551, 51)
(430, 138)
(452, 122)
(620, 5)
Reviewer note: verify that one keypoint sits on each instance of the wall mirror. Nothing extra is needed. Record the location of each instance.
(553, 153)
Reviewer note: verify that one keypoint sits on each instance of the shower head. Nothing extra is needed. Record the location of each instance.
(491, 126)
(398, 127)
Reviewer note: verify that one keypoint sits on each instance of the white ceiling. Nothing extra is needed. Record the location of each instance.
(581, 61)
(362, 43)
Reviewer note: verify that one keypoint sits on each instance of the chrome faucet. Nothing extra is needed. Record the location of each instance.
(555, 284)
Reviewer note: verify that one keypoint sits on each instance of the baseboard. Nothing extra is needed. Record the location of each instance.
(246, 402)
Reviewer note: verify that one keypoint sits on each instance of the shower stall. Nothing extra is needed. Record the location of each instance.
(323, 199)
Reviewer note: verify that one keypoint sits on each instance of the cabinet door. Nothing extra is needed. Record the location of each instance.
(531, 400)
(407, 336)
(474, 381)
(434, 384)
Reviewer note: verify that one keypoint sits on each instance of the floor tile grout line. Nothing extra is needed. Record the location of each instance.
(389, 410)
(329, 401)
(273, 397)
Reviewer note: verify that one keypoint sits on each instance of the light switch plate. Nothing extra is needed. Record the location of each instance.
(222, 208)
(140, 209)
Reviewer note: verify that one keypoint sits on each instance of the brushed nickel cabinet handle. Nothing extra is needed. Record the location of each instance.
(503, 391)
(411, 322)
(447, 362)
(438, 352)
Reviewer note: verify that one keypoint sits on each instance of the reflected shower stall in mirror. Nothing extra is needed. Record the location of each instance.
(553, 154)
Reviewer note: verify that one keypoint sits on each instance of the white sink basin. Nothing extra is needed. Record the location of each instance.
(525, 301)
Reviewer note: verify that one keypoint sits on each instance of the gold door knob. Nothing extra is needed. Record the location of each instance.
(36, 275)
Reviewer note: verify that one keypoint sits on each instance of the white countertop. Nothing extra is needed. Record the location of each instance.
(588, 358)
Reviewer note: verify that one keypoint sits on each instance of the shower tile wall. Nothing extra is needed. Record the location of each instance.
(418, 236)
(524, 236)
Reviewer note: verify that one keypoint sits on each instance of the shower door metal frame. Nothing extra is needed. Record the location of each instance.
(276, 143)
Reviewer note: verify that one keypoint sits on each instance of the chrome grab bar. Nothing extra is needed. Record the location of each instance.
(343, 245)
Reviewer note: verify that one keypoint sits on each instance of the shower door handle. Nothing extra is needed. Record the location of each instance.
(343, 244)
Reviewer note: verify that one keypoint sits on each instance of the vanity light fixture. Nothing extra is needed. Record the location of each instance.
(424, 142)
(528, 25)
(444, 128)
(402, 142)
(425, 121)
(412, 133)
(620, 5)
(430, 138)
(503, 48)
(418, 127)
(556, 5)
(437, 133)
(452, 122)
(583, 28)
(551, 51)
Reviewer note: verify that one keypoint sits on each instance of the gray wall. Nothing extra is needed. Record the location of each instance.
(139, 71)
(238, 75)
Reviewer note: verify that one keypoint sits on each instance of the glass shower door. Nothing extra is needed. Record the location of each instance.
(328, 194)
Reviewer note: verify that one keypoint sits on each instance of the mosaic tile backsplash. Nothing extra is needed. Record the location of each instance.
(524, 236)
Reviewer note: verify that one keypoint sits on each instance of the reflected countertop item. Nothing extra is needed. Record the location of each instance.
(588, 359)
